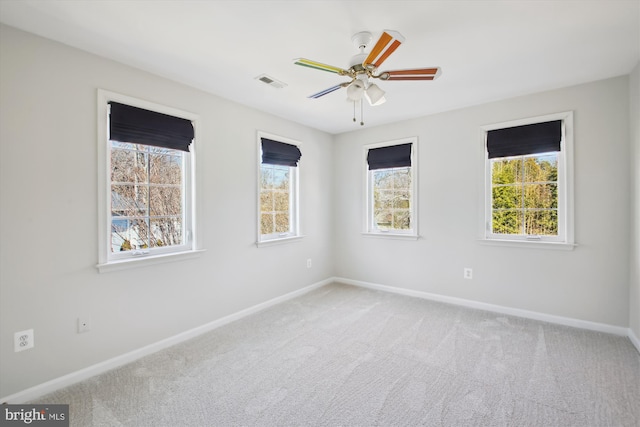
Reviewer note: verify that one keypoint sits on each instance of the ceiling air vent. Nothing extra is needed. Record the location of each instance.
(271, 81)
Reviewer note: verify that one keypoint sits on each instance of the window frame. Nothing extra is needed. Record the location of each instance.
(565, 238)
(369, 228)
(108, 261)
(294, 196)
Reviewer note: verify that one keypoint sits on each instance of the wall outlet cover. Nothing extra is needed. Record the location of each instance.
(23, 340)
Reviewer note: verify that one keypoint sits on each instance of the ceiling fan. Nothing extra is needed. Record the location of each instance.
(363, 67)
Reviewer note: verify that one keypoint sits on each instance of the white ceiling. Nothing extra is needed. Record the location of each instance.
(488, 50)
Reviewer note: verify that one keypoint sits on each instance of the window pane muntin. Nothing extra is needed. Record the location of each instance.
(524, 195)
(147, 205)
(276, 200)
(391, 198)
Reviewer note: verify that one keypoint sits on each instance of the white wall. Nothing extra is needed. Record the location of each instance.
(634, 276)
(48, 240)
(48, 214)
(589, 283)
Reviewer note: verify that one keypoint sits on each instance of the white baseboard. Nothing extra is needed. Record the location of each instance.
(33, 393)
(567, 321)
(634, 339)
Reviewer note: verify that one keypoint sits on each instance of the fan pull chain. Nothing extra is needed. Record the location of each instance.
(361, 113)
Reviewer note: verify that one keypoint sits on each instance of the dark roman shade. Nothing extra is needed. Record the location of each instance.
(139, 126)
(393, 156)
(528, 139)
(279, 153)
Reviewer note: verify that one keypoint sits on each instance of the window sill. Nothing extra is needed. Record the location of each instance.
(392, 236)
(559, 246)
(281, 241)
(147, 260)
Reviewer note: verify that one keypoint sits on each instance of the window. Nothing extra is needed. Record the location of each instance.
(278, 216)
(147, 157)
(529, 192)
(391, 181)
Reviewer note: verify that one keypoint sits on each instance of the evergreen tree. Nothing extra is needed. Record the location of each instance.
(525, 195)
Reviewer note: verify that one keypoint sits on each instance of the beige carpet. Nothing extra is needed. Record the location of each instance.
(345, 356)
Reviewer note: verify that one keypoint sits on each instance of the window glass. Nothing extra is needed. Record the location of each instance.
(529, 196)
(275, 200)
(278, 216)
(391, 188)
(147, 189)
(146, 197)
(524, 193)
(392, 198)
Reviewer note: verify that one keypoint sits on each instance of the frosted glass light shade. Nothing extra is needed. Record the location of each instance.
(375, 95)
(355, 91)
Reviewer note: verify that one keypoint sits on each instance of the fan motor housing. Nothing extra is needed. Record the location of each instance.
(362, 39)
(356, 62)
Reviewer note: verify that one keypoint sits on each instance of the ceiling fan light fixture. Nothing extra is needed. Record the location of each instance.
(363, 68)
(375, 95)
(355, 90)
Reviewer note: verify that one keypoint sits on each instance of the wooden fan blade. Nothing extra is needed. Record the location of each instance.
(411, 78)
(326, 91)
(414, 74)
(388, 42)
(319, 66)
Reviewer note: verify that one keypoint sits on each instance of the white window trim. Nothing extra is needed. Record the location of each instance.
(367, 222)
(193, 246)
(294, 235)
(565, 188)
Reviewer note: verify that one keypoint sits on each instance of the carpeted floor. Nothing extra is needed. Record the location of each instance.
(346, 356)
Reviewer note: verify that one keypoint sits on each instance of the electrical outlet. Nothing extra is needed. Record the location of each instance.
(23, 340)
(309, 263)
(84, 324)
(468, 273)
